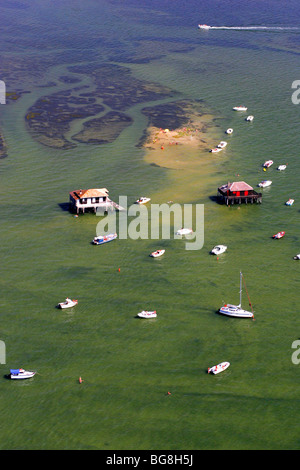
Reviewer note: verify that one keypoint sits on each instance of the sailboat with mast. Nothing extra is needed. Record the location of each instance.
(237, 310)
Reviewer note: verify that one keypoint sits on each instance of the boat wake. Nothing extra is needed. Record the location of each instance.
(257, 28)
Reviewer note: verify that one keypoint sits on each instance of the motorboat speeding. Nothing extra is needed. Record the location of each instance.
(204, 26)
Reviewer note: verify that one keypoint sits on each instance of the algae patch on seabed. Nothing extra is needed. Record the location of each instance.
(49, 119)
(3, 147)
(104, 129)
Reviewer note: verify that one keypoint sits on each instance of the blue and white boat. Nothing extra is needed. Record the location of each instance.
(19, 374)
(104, 239)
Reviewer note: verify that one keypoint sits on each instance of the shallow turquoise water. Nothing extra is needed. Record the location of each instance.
(129, 365)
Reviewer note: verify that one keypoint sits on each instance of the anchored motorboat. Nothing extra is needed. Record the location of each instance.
(218, 368)
(229, 130)
(265, 183)
(236, 310)
(281, 167)
(216, 149)
(147, 314)
(68, 303)
(184, 231)
(104, 238)
(143, 200)
(157, 253)
(222, 144)
(203, 26)
(218, 249)
(17, 374)
(290, 202)
(239, 108)
(297, 256)
(279, 235)
(268, 163)
(249, 118)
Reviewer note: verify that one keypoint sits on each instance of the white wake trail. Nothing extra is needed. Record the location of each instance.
(258, 28)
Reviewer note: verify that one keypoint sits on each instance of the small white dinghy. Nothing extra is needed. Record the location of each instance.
(249, 118)
(222, 144)
(157, 253)
(297, 256)
(184, 231)
(268, 163)
(68, 303)
(281, 167)
(240, 108)
(218, 368)
(216, 149)
(229, 131)
(19, 374)
(147, 314)
(265, 184)
(143, 200)
(218, 249)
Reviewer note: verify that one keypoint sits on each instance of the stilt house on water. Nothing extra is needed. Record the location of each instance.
(83, 200)
(238, 192)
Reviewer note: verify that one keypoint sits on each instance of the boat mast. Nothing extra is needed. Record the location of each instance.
(240, 289)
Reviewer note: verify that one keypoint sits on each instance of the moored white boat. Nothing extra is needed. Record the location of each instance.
(222, 144)
(218, 368)
(17, 374)
(237, 310)
(147, 314)
(290, 202)
(184, 231)
(104, 238)
(281, 167)
(157, 253)
(268, 163)
(297, 256)
(203, 26)
(68, 303)
(239, 108)
(143, 200)
(249, 118)
(216, 149)
(218, 249)
(265, 184)
(279, 235)
(229, 131)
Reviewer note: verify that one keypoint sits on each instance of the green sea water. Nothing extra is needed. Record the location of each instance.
(129, 365)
